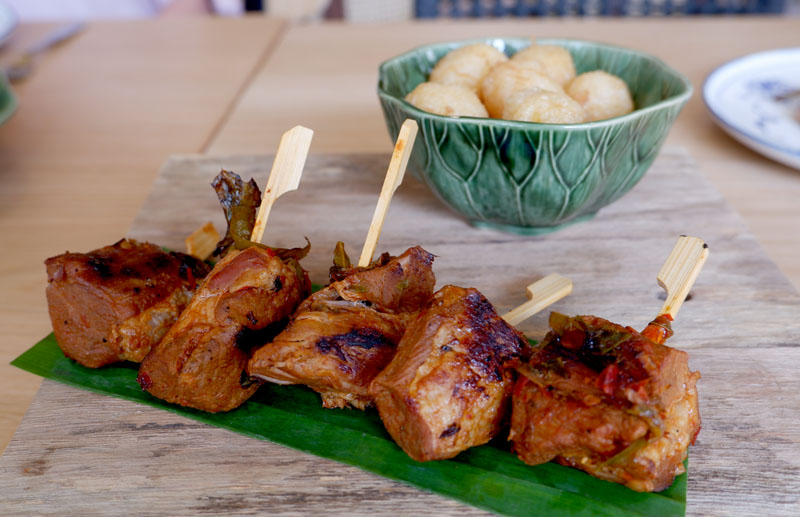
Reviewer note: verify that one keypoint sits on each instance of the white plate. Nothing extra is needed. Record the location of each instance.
(741, 95)
(8, 20)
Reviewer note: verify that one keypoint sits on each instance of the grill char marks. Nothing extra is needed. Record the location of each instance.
(100, 265)
(114, 303)
(449, 385)
(489, 350)
(343, 335)
(450, 431)
(366, 338)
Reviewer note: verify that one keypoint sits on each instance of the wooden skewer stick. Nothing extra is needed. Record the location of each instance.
(394, 177)
(542, 294)
(679, 272)
(285, 174)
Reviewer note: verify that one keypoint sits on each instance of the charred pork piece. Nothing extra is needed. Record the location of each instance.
(402, 285)
(342, 336)
(115, 303)
(448, 387)
(608, 400)
(201, 362)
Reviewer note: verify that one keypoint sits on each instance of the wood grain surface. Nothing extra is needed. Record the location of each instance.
(612, 260)
(96, 119)
(102, 111)
(81, 453)
(323, 74)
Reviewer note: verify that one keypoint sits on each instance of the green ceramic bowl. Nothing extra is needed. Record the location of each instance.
(8, 102)
(531, 178)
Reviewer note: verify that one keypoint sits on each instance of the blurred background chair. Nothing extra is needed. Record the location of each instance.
(502, 8)
(372, 11)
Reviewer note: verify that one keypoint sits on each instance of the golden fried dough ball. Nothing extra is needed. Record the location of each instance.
(543, 106)
(448, 100)
(553, 61)
(601, 94)
(505, 79)
(466, 66)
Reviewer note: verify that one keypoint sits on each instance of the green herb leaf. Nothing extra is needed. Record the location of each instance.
(489, 477)
(340, 258)
(240, 202)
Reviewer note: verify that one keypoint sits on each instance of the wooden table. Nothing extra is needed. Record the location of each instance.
(327, 71)
(95, 122)
(103, 111)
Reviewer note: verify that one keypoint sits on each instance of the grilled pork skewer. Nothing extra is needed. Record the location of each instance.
(115, 303)
(449, 386)
(343, 336)
(611, 401)
(201, 361)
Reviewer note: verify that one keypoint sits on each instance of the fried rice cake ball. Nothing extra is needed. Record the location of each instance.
(543, 106)
(466, 66)
(551, 60)
(506, 79)
(601, 94)
(447, 100)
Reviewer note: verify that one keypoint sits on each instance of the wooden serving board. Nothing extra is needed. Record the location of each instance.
(82, 453)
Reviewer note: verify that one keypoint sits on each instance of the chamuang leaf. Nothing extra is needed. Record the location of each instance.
(240, 202)
(489, 477)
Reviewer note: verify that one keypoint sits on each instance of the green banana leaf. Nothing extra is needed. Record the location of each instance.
(488, 477)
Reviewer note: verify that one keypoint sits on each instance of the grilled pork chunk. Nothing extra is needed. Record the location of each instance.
(448, 387)
(342, 336)
(201, 362)
(115, 303)
(608, 400)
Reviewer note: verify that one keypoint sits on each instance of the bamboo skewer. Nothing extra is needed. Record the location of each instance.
(394, 177)
(679, 272)
(542, 294)
(285, 174)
